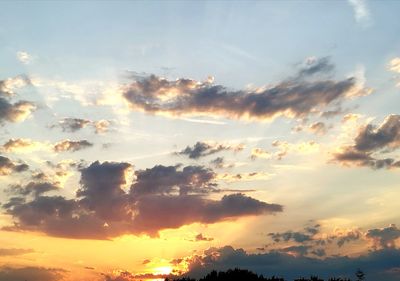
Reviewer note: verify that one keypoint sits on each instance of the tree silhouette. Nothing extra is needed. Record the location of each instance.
(246, 275)
(360, 275)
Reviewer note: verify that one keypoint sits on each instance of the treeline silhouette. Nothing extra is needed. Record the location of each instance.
(246, 275)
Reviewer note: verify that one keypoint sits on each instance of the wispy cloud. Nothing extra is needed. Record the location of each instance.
(361, 12)
(24, 57)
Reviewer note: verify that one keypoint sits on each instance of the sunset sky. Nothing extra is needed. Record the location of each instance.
(140, 140)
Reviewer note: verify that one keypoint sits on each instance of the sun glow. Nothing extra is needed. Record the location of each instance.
(163, 270)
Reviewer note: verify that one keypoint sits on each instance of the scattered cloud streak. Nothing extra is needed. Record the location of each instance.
(202, 149)
(295, 97)
(72, 146)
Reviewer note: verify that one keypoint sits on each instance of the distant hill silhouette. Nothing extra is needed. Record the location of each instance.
(246, 275)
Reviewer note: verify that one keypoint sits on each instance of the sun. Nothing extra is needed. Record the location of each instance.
(163, 270)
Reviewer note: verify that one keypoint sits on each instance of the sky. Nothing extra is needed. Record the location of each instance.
(141, 140)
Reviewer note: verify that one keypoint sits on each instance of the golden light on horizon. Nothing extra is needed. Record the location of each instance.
(163, 270)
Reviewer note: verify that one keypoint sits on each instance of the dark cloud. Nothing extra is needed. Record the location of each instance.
(68, 145)
(168, 179)
(309, 237)
(72, 124)
(318, 128)
(76, 124)
(15, 112)
(128, 276)
(33, 188)
(372, 140)
(102, 192)
(290, 236)
(219, 163)
(296, 236)
(384, 237)
(7, 166)
(201, 149)
(14, 252)
(314, 66)
(161, 197)
(31, 274)
(293, 98)
(300, 250)
(157, 212)
(386, 136)
(201, 237)
(349, 236)
(376, 264)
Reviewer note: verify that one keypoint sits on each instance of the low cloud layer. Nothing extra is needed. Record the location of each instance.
(378, 265)
(384, 238)
(161, 197)
(30, 273)
(305, 93)
(372, 142)
(14, 252)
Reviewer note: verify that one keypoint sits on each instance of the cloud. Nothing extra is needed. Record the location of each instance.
(200, 237)
(34, 188)
(14, 252)
(8, 86)
(300, 250)
(284, 148)
(294, 98)
(75, 124)
(260, 153)
(7, 166)
(160, 198)
(23, 145)
(101, 190)
(128, 276)
(160, 211)
(202, 149)
(68, 145)
(361, 12)
(314, 239)
(30, 273)
(313, 65)
(372, 140)
(318, 128)
(291, 235)
(394, 65)
(220, 163)
(15, 112)
(172, 179)
(384, 237)
(24, 57)
(376, 264)
(240, 177)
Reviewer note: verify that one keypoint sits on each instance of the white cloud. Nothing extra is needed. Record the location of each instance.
(394, 65)
(24, 57)
(361, 11)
